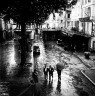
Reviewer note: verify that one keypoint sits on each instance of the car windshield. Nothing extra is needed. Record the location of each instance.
(36, 47)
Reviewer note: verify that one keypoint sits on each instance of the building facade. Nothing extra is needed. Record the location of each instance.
(67, 19)
(6, 29)
(76, 13)
(87, 16)
(83, 18)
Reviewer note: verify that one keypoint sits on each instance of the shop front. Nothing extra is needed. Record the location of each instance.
(92, 44)
(87, 25)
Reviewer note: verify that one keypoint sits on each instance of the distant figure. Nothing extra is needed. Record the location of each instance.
(45, 69)
(20, 42)
(75, 48)
(51, 70)
(83, 47)
(35, 76)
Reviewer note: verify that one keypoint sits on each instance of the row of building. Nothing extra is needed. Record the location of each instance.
(9, 29)
(80, 18)
(6, 29)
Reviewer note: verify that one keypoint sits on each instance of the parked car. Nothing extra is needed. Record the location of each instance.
(36, 49)
(60, 42)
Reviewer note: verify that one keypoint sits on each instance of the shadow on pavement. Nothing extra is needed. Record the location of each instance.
(59, 86)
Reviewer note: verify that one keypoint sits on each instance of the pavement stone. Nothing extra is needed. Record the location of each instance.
(90, 74)
(90, 63)
(16, 83)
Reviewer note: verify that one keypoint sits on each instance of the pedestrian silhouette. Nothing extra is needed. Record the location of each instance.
(59, 67)
(45, 69)
(51, 70)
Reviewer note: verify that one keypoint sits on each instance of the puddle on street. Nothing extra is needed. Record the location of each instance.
(70, 84)
(59, 88)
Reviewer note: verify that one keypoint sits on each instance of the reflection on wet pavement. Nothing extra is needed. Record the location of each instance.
(4, 90)
(58, 86)
(8, 57)
(72, 82)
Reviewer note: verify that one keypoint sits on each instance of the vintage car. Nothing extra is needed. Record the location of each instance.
(36, 49)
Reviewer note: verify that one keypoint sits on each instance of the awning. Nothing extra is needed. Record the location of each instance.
(86, 19)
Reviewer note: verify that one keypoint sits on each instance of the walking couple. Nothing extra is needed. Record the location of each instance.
(48, 71)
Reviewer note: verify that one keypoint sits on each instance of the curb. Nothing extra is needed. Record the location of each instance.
(86, 66)
(81, 60)
(87, 77)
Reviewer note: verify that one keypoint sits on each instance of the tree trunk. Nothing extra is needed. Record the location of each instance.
(23, 44)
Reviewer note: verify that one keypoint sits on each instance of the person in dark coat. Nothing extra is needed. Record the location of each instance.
(59, 67)
(45, 69)
(59, 74)
(51, 70)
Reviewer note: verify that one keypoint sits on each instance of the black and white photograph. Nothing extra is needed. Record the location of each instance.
(47, 48)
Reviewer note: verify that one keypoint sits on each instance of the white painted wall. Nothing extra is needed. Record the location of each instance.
(76, 12)
(52, 23)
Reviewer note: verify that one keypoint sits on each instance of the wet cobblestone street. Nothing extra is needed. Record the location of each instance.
(72, 83)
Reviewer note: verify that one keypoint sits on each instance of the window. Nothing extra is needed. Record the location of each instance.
(85, 1)
(72, 23)
(68, 16)
(89, 0)
(68, 24)
(89, 11)
(85, 12)
(60, 13)
(61, 21)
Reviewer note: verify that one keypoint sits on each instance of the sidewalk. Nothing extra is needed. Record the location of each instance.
(10, 68)
(90, 64)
